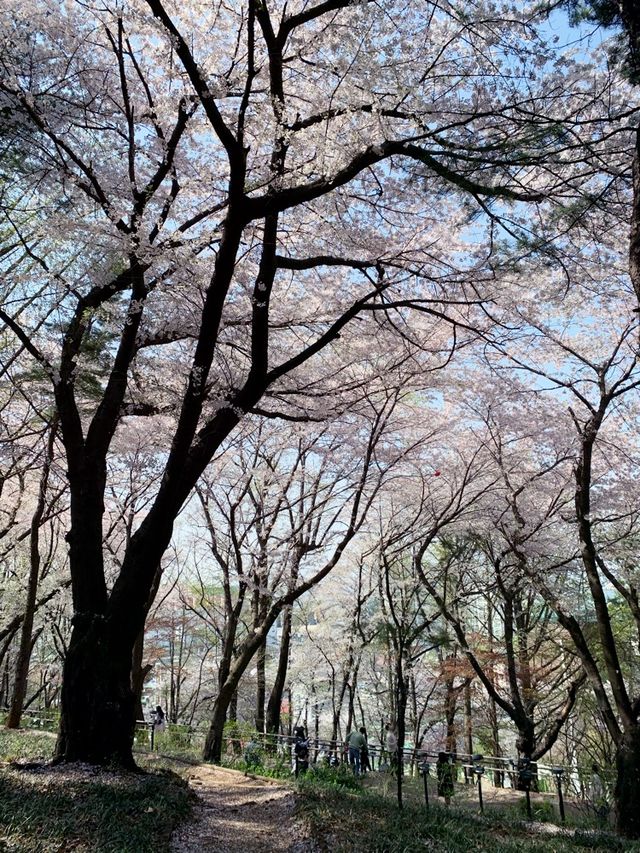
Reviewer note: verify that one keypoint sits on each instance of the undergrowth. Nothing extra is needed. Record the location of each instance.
(346, 820)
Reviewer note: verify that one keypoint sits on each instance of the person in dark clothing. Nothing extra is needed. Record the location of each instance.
(301, 750)
(364, 752)
(158, 720)
(444, 772)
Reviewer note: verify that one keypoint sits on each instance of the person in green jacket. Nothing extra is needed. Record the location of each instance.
(355, 741)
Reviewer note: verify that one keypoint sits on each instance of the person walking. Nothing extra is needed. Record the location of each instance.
(301, 750)
(391, 744)
(158, 720)
(158, 725)
(364, 752)
(444, 772)
(355, 741)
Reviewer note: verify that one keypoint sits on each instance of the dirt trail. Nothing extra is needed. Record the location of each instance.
(241, 814)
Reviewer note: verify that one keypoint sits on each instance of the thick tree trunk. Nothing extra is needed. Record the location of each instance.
(627, 790)
(215, 736)
(277, 691)
(97, 719)
(525, 744)
(450, 711)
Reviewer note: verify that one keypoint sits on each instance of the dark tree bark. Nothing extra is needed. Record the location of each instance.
(97, 701)
(277, 691)
(339, 702)
(628, 783)
(402, 693)
(601, 664)
(451, 705)
(139, 673)
(261, 687)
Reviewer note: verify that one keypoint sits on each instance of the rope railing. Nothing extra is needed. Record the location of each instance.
(410, 754)
(522, 774)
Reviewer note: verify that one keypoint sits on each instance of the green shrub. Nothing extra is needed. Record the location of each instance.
(340, 777)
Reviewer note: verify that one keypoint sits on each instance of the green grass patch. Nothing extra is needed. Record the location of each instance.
(348, 821)
(29, 745)
(26, 745)
(47, 810)
(273, 768)
(83, 808)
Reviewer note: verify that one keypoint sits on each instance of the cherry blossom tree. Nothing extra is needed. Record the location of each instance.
(250, 209)
(291, 512)
(578, 354)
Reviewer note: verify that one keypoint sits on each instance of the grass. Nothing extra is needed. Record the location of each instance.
(347, 821)
(82, 808)
(176, 741)
(26, 745)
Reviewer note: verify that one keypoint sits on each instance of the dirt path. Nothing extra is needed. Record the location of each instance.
(241, 814)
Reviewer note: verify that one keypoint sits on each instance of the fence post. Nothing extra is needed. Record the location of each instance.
(424, 770)
(478, 769)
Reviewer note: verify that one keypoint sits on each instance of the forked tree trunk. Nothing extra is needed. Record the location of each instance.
(214, 742)
(526, 744)
(97, 700)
